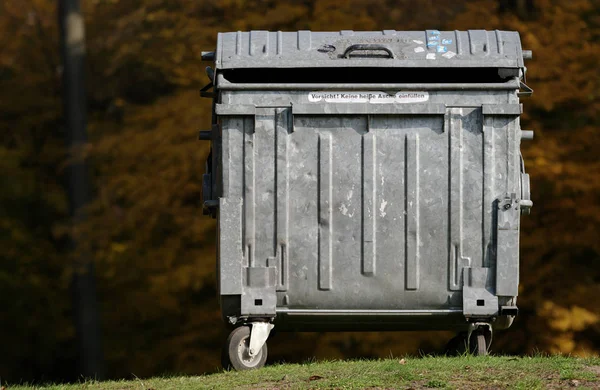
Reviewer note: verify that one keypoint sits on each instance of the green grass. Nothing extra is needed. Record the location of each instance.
(466, 372)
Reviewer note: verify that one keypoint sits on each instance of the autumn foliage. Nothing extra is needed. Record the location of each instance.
(153, 248)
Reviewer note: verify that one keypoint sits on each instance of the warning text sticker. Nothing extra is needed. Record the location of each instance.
(368, 97)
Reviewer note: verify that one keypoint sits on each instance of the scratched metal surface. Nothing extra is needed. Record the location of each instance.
(349, 203)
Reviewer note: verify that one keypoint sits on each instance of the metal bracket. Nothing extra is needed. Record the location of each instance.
(507, 244)
(205, 135)
(204, 91)
(526, 202)
(527, 90)
(509, 311)
(478, 300)
(208, 55)
(258, 336)
(508, 211)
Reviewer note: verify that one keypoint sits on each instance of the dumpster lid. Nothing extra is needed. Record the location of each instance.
(387, 48)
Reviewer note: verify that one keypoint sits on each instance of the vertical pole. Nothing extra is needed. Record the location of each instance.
(72, 34)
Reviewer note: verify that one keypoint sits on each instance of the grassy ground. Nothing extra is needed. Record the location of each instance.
(465, 372)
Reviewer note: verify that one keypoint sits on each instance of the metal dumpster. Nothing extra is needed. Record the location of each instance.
(366, 181)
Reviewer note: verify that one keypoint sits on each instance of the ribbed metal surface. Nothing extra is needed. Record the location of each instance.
(379, 211)
(430, 48)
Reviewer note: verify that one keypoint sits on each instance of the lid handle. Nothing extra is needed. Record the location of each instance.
(368, 47)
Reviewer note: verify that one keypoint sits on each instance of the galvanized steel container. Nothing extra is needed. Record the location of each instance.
(366, 181)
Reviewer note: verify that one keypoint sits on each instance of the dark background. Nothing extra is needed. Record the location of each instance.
(154, 252)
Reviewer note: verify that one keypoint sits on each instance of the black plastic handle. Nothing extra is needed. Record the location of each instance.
(367, 46)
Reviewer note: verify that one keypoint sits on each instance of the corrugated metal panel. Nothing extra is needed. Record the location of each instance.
(430, 48)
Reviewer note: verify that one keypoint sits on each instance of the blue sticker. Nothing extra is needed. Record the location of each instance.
(435, 32)
(442, 49)
(446, 41)
(432, 43)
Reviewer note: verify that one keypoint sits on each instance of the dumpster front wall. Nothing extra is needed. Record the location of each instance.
(356, 206)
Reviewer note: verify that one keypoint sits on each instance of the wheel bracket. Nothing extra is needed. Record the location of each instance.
(259, 334)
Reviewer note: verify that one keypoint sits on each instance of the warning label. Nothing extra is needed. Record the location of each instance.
(368, 97)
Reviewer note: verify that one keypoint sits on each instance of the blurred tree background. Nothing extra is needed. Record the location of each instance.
(155, 252)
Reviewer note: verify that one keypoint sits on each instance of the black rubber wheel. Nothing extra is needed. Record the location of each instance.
(479, 345)
(235, 354)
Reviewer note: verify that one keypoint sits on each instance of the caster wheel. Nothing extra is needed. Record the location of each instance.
(235, 354)
(479, 345)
